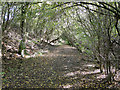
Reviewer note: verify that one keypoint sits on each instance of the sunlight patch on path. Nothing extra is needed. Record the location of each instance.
(72, 73)
(70, 47)
(67, 86)
(89, 65)
(91, 72)
(55, 55)
(82, 73)
(102, 76)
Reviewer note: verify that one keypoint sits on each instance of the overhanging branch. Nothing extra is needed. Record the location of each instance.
(116, 26)
(114, 11)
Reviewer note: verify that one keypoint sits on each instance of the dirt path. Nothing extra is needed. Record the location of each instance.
(61, 67)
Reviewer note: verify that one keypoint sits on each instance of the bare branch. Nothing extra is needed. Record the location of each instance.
(110, 6)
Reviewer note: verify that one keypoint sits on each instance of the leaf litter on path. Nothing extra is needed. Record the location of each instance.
(62, 67)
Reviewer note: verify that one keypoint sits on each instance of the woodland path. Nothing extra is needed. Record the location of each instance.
(61, 67)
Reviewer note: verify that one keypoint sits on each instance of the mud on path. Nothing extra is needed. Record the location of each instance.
(61, 67)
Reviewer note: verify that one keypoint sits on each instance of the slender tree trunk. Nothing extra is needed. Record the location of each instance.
(98, 49)
(0, 44)
(8, 12)
(22, 43)
(4, 8)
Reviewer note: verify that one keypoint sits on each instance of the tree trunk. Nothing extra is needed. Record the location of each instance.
(8, 12)
(22, 43)
(0, 46)
(4, 8)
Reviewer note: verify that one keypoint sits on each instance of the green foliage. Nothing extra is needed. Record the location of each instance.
(2, 74)
(39, 53)
(34, 41)
(43, 22)
(21, 47)
(68, 42)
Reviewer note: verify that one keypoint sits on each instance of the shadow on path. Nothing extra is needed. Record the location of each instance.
(62, 67)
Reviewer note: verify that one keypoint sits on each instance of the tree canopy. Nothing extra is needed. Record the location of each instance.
(91, 27)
